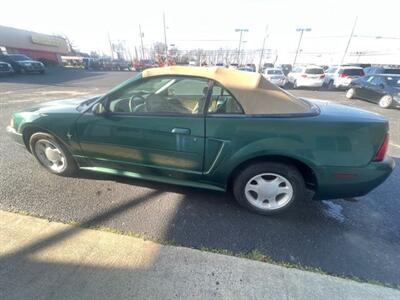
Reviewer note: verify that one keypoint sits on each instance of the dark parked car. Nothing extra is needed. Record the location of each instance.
(383, 89)
(381, 70)
(6, 69)
(213, 128)
(23, 64)
(120, 64)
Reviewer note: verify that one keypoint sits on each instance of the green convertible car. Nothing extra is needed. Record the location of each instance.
(213, 128)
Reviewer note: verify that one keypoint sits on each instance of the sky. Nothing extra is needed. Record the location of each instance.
(211, 24)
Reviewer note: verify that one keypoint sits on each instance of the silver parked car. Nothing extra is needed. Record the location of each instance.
(276, 76)
(340, 77)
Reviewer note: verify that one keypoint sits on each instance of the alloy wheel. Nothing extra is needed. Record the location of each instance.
(269, 191)
(50, 155)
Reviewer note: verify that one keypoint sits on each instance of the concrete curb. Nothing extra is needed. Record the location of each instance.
(42, 259)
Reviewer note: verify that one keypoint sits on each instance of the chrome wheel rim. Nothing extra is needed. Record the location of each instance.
(50, 155)
(350, 93)
(386, 101)
(269, 191)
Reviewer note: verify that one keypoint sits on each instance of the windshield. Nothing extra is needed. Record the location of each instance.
(393, 81)
(274, 72)
(314, 71)
(19, 57)
(352, 72)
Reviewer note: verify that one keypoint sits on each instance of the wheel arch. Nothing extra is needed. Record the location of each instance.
(306, 171)
(30, 129)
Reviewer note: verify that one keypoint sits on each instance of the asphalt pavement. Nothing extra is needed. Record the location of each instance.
(359, 238)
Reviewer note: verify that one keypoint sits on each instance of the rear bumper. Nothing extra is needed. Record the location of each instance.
(353, 182)
(15, 136)
(309, 83)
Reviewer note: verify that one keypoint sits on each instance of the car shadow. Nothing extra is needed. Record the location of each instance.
(337, 236)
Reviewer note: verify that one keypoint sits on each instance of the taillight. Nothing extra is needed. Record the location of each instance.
(304, 76)
(380, 155)
(343, 75)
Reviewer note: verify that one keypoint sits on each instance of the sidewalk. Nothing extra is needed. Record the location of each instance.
(49, 260)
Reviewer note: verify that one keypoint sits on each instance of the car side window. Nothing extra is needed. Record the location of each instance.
(223, 102)
(369, 79)
(161, 95)
(376, 80)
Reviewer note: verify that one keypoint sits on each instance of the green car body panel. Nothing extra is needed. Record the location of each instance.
(334, 144)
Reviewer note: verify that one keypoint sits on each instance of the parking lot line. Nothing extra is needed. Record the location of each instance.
(395, 145)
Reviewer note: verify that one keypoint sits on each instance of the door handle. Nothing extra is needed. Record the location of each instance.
(181, 130)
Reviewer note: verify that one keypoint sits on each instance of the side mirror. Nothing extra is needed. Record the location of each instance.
(98, 109)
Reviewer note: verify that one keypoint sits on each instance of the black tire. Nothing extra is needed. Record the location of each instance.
(287, 171)
(71, 166)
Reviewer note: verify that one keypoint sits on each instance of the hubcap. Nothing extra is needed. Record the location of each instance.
(50, 155)
(386, 101)
(269, 191)
(350, 93)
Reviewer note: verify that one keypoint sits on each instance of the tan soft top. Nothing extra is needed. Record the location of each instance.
(255, 93)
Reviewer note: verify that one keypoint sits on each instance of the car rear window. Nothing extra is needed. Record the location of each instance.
(314, 71)
(391, 71)
(352, 72)
(274, 72)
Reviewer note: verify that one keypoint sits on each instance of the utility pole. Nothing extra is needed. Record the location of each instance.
(263, 47)
(141, 40)
(348, 42)
(301, 30)
(111, 46)
(165, 41)
(241, 30)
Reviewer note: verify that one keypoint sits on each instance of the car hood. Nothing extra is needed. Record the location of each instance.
(344, 112)
(71, 105)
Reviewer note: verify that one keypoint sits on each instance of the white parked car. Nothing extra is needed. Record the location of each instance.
(276, 76)
(341, 77)
(309, 76)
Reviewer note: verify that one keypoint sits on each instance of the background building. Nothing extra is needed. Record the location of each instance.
(35, 45)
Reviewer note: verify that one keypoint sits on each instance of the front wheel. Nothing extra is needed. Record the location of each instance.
(269, 188)
(51, 154)
(386, 101)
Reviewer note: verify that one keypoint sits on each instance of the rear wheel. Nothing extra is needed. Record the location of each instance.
(386, 101)
(51, 154)
(269, 188)
(351, 93)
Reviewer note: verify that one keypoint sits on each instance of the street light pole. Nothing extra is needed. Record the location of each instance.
(301, 30)
(348, 42)
(165, 40)
(141, 40)
(263, 47)
(241, 30)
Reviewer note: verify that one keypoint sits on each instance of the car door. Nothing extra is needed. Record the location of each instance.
(377, 90)
(364, 87)
(152, 126)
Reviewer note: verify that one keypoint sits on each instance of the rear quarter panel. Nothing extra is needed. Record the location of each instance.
(318, 141)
